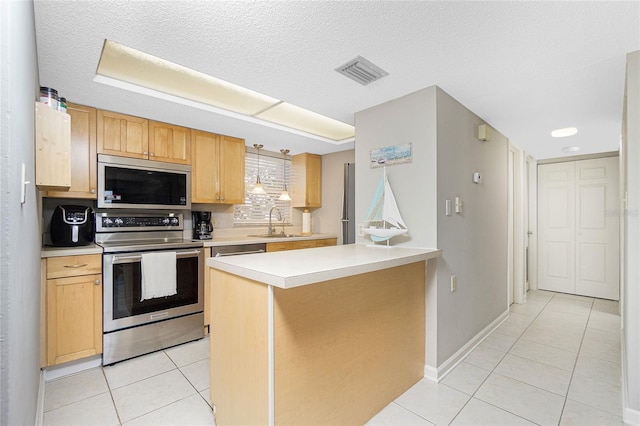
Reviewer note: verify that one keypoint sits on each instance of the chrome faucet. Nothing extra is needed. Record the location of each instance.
(270, 230)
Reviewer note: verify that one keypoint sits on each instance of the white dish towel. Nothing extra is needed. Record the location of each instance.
(158, 275)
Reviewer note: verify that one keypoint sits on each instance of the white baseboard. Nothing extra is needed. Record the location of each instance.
(630, 416)
(73, 367)
(40, 403)
(436, 374)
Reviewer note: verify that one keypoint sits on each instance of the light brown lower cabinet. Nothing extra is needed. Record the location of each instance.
(300, 244)
(73, 308)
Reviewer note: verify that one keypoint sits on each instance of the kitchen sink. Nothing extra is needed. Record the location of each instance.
(275, 235)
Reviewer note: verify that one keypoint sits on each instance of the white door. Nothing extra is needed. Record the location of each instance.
(597, 226)
(578, 227)
(556, 227)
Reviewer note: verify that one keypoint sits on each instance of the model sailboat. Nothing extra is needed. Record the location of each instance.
(383, 220)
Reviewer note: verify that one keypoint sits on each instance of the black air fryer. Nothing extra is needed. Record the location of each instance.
(72, 226)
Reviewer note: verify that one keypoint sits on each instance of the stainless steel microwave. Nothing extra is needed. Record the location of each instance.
(129, 183)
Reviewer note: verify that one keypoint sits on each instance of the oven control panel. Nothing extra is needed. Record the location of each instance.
(112, 222)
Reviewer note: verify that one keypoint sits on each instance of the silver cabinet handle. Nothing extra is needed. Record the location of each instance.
(97, 282)
(93, 190)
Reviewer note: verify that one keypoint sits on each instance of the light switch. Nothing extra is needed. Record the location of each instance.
(447, 207)
(458, 205)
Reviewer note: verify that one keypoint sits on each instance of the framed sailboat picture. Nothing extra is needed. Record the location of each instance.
(390, 155)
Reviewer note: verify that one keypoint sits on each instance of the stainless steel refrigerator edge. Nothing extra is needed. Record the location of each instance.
(349, 204)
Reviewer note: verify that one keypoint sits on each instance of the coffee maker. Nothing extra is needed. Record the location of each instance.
(202, 227)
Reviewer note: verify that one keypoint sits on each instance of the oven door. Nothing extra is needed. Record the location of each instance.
(122, 289)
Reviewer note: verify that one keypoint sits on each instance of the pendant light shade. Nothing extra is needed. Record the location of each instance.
(284, 196)
(258, 188)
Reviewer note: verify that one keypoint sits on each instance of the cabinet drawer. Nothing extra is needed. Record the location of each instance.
(72, 266)
(304, 244)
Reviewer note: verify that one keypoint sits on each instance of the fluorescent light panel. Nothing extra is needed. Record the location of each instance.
(122, 63)
(563, 133)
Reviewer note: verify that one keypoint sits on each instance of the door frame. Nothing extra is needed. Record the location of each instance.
(516, 243)
(531, 277)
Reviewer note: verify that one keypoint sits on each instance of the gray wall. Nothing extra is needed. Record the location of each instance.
(409, 119)
(445, 154)
(474, 242)
(19, 224)
(327, 218)
(631, 249)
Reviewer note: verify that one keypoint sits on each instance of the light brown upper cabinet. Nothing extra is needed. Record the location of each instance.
(217, 168)
(53, 148)
(306, 171)
(169, 143)
(123, 135)
(83, 154)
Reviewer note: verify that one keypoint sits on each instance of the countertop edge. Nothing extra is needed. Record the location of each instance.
(292, 281)
(50, 251)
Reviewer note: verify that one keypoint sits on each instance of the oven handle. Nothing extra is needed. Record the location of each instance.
(138, 258)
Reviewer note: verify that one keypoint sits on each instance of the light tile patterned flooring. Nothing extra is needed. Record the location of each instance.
(556, 360)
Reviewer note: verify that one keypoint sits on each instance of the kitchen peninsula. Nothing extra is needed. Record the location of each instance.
(327, 335)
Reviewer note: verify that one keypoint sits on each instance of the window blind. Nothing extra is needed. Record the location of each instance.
(274, 172)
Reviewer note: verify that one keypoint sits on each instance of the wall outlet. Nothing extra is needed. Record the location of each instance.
(454, 283)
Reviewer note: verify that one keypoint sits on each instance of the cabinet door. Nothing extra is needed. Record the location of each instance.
(122, 135)
(231, 155)
(203, 168)
(326, 242)
(53, 149)
(84, 176)
(307, 180)
(169, 143)
(279, 246)
(303, 244)
(74, 318)
(314, 181)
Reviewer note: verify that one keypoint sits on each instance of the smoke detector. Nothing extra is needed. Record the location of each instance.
(362, 71)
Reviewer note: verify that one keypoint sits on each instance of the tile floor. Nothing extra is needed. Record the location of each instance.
(556, 360)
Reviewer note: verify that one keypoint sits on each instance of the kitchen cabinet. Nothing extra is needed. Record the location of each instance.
(53, 148)
(300, 244)
(169, 143)
(73, 291)
(122, 135)
(217, 168)
(84, 177)
(306, 170)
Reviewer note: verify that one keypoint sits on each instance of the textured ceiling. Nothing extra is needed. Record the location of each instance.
(526, 67)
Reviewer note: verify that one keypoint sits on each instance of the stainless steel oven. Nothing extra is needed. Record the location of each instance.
(134, 325)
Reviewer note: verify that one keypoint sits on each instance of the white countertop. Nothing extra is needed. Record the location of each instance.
(49, 251)
(294, 268)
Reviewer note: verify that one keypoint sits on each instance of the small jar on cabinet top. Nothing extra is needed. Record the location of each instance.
(49, 96)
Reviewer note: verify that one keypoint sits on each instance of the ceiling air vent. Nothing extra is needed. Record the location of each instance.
(362, 71)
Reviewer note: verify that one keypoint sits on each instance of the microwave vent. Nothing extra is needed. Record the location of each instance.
(362, 71)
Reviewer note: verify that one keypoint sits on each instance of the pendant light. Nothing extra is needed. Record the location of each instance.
(285, 194)
(258, 188)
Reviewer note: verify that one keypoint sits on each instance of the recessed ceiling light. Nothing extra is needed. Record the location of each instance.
(563, 133)
(135, 69)
(568, 149)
